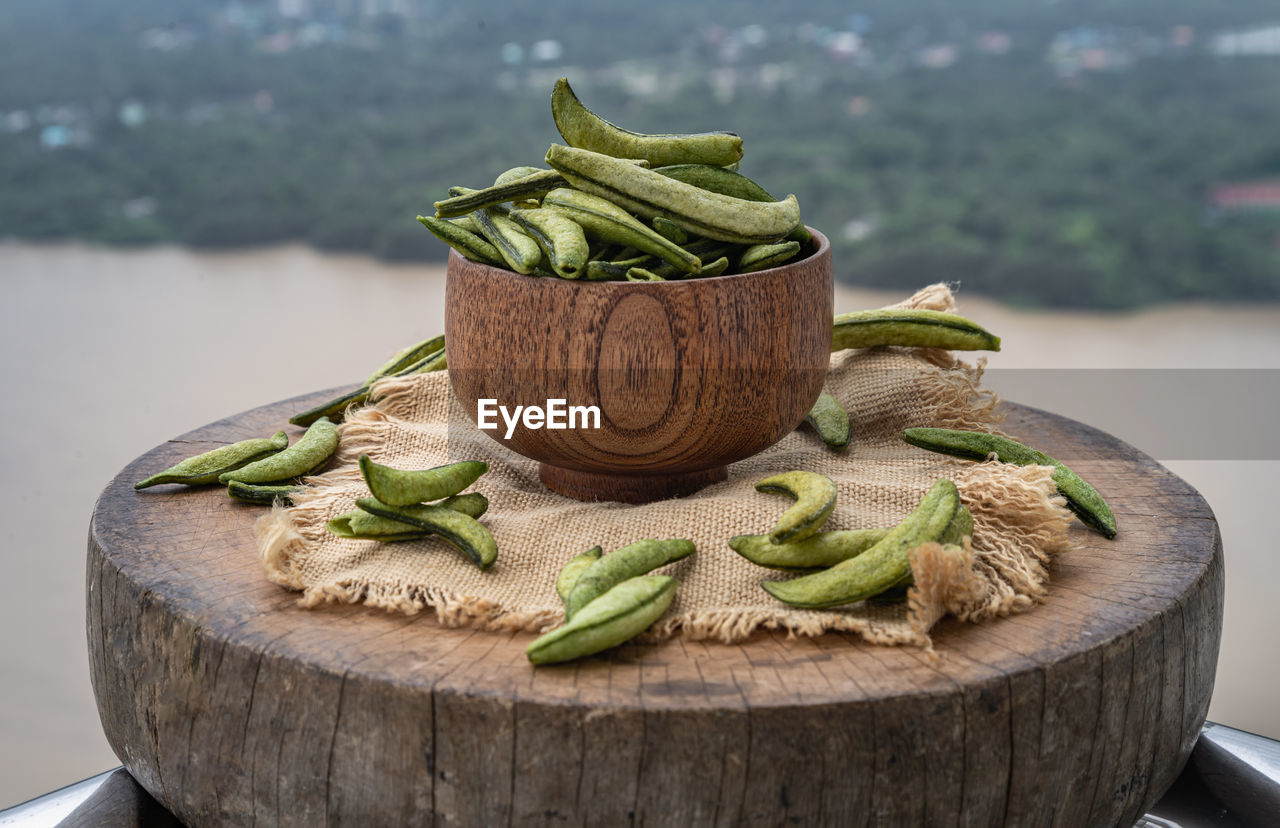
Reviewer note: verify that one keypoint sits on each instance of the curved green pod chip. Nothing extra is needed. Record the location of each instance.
(408, 356)
(639, 274)
(727, 182)
(518, 250)
(831, 421)
(531, 185)
(438, 361)
(700, 212)
(619, 615)
(817, 551)
(764, 256)
(815, 498)
(469, 244)
(580, 127)
(260, 493)
(910, 328)
(960, 526)
(714, 268)
(1082, 498)
(717, 180)
(561, 238)
(401, 487)
(670, 230)
(605, 272)
(206, 468)
(365, 526)
(312, 451)
(570, 572)
(333, 409)
(385, 530)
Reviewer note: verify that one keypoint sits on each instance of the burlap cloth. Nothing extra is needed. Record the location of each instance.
(1020, 522)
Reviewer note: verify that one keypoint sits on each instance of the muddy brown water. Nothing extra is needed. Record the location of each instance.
(108, 353)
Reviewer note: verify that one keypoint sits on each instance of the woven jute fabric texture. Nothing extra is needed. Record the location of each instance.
(1020, 522)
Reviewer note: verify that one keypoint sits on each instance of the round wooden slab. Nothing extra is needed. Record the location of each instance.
(233, 706)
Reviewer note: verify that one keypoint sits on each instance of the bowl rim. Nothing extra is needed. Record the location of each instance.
(824, 246)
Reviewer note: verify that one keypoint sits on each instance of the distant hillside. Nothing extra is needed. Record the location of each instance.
(1064, 154)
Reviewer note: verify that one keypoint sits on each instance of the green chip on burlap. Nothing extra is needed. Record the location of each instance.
(1020, 522)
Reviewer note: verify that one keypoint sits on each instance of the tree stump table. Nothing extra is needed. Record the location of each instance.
(233, 706)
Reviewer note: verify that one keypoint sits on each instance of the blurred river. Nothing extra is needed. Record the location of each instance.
(108, 353)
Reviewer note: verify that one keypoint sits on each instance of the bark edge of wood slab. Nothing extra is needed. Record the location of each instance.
(689, 375)
(231, 705)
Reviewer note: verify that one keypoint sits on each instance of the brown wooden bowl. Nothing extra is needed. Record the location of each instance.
(688, 375)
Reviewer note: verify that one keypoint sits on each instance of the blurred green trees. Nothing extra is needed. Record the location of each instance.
(999, 169)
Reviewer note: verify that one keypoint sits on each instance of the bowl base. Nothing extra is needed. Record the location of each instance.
(627, 488)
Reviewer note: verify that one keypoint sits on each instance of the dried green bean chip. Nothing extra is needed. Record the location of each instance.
(910, 328)
(700, 212)
(629, 561)
(1082, 498)
(670, 229)
(573, 570)
(815, 498)
(405, 358)
(470, 245)
(410, 360)
(830, 420)
(257, 493)
(362, 525)
(765, 256)
(399, 487)
(375, 528)
(531, 185)
(605, 272)
(707, 255)
(619, 615)
(560, 237)
(512, 175)
(725, 181)
(640, 261)
(961, 526)
(817, 551)
(467, 223)
(333, 409)
(639, 274)
(463, 531)
(717, 180)
(518, 250)
(206, 468)
(580, 127)
(304, 457)
(715, 268)
(438, 361)
(473, 504)
(953, 536)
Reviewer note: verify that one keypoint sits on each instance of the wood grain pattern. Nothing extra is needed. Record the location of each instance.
(689, 375)
(232, 706)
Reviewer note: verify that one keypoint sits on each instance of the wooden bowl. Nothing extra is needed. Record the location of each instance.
(688, 376)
